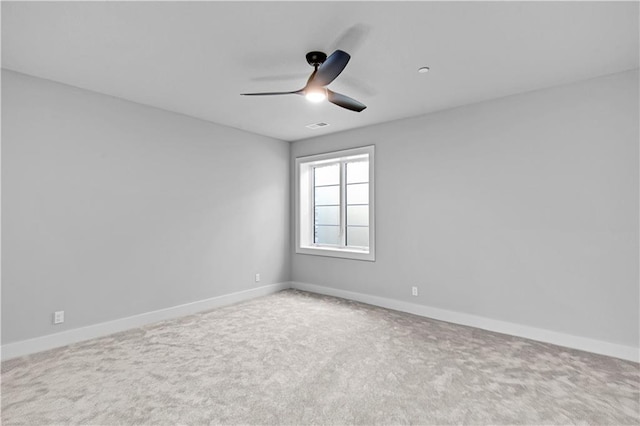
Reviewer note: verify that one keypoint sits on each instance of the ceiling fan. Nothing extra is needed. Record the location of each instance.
(326, 69)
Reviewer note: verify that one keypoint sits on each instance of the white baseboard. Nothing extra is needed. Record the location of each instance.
(50, 341)
(38, 344)
(561, 339)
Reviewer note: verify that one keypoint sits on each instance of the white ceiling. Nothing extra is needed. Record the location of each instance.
(195, 58)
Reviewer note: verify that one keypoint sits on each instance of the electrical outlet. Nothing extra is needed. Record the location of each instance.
(257, 278)
(58, 317)
(414, 291)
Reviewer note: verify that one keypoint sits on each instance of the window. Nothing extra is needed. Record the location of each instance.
(335, 205)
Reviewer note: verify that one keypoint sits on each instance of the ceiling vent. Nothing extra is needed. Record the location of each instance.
(317, 125)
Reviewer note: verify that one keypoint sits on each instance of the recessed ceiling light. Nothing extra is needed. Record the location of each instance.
(423, 70)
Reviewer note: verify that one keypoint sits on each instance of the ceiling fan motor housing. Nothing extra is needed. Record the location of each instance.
(316, 59)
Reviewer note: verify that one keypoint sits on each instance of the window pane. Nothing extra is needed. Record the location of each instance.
(358, 215)
(358, 236)
(327, 195)
(327, 175)
(328, 235)
(358, 193)
(328, 215)
(358, 172)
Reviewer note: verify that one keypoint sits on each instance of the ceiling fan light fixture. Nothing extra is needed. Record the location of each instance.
(423, 70)
(316, 95)
(325, 70)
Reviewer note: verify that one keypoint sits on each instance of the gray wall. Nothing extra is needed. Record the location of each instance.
(111, 208)
(522, 209)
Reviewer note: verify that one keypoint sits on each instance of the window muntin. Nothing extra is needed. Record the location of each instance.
(334, 197)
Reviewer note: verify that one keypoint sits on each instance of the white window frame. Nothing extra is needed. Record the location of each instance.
(304, 225)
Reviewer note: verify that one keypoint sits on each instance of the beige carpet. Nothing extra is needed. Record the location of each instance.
(299, 358)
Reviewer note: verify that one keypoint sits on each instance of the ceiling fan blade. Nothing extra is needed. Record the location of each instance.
(352, 38)
(345, 101)
(310, 79)
(331, 68)
(296, 92)
(283, 77)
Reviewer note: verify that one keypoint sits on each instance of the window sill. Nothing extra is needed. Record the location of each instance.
(340, 253)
